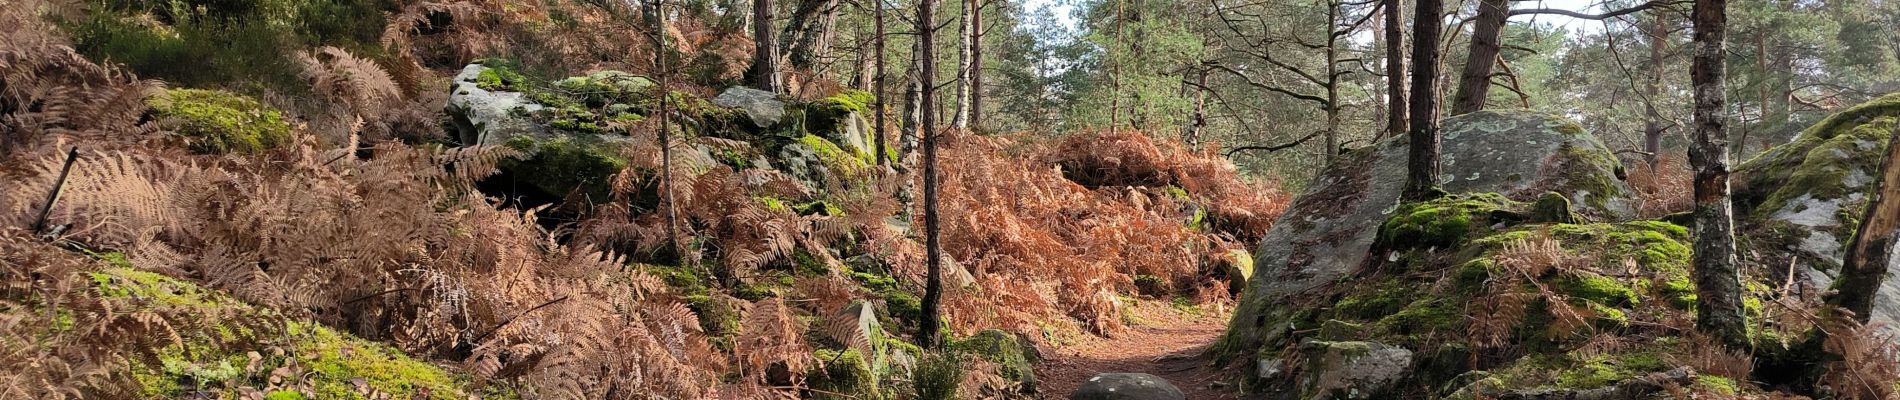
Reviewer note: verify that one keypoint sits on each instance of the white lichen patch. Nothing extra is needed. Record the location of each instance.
(1822, 244)
(1809, 212)
(1856, 178)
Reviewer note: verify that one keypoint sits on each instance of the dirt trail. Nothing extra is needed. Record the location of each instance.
(1167, 344)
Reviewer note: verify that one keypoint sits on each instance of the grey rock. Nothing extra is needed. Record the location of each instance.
(801, 161)
(1328, 231)
(483, 117)
(1126, 386)
(761, 106)
(1790, 200)
(1351, 370)
(854, 135)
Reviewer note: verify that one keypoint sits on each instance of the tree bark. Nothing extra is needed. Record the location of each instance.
(1422, 163)
(1866, 263)
(764, 73)
(1114, 73)
(1198, 121)
(877, 16)
(1718, 281)
(1395, 124)
(1653, 125)
(665, 135)
(976, 65)
(927, 336)
(966, 40)
(1332, 81)
(804, 32)
(1474, 85)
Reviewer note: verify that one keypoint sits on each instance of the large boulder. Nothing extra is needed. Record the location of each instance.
(1352, 370)
(1126, 386)
(1328, 232)
(486, 111)
(1801, 202)
(761, 106)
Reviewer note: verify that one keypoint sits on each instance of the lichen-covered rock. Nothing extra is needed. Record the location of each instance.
(1126, 386)
(486, 108)
(1328, 231)
(1352, 370)
(1801, 202)
(216, 122)
(1015, 356)
(761, 106)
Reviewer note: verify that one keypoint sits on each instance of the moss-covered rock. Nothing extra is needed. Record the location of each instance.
(1446, 221)
(1613, 275)
(1327, 234)
(217, 122)
(565, 165)
(1799, 203)
(249, 343)
(1015, 356)
(1553, 207)
(845, 375)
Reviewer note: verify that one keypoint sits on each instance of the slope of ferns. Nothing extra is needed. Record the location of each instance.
(390, 241)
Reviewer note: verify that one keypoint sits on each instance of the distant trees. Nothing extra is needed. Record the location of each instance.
(1717, 278)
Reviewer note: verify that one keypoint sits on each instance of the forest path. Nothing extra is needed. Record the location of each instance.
(1163, 341)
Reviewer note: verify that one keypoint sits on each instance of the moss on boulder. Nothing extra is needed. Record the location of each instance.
(565, 165)
(1446, 221)
(1015, 356)
(845, 375)
(217, 122)
(249, 343)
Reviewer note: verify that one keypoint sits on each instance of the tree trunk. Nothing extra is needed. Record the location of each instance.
(927, 336)
(1718, 282)
(804, 33)
(877, 129)
(1653, 126)
(1114, 73)
(1422, 165)
(666, 138)
(1199, 120)
(966, 39)
(1395, 124)
(1475, 85)
(1866, 262)
(976, 65)
(764, 73)
(1332, 81)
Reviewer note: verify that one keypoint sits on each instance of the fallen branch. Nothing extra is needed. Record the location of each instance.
(39, 225)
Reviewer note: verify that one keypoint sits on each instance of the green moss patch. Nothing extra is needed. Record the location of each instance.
(845, 375)
(217, 122)
(1015, 357)
(249, 344)
(565, 165)
(1444, 222)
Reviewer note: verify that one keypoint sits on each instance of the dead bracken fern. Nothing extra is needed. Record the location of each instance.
(1870, 360)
